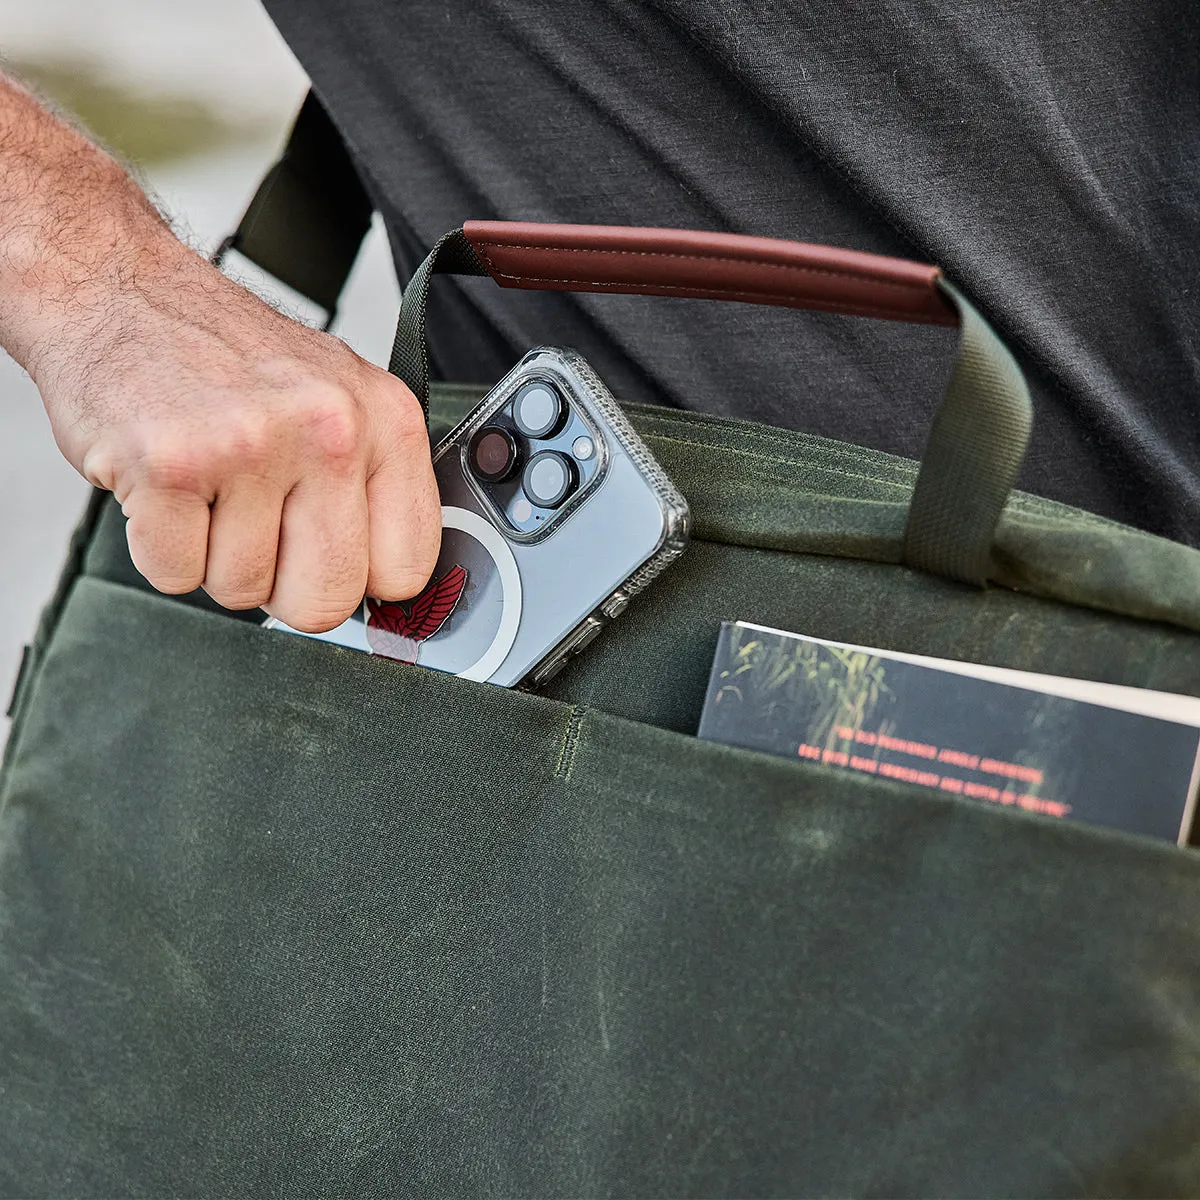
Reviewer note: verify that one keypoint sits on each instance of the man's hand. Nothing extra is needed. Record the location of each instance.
(253, 456)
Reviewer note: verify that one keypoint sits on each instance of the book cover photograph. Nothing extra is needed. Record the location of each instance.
(942, 725)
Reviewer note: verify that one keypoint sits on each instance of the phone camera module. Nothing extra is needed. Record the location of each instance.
(538, 410)
(493, 454)
(549, 479)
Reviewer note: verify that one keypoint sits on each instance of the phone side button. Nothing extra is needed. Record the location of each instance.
(615, 605)
(547, 671)
(582, 635)
(588, 633)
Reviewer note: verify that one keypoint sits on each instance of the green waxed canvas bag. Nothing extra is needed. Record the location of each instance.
(279, 918)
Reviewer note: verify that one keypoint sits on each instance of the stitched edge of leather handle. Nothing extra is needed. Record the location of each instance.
(708, 266)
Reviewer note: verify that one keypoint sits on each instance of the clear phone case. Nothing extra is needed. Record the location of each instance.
(520, 587)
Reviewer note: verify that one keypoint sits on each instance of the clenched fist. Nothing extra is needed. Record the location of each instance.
(253, 456)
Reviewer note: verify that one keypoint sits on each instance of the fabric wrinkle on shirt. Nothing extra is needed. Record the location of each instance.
(1044, 156)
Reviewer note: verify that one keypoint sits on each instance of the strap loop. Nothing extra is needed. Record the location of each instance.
(975, 449)
(452, 255)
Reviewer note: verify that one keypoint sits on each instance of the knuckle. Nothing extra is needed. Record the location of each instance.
(401, 580)
(401, 583)
(100, 468)
(173, 585)
(322, 595)
(407, 419)
(171, 470)
(396, 415)
(249, 444)
(172, 578)
(170, 557)
(314, 617)
(335, 427)
(404, 568)
(238, 597)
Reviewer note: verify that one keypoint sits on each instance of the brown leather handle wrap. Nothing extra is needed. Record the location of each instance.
(708, 266)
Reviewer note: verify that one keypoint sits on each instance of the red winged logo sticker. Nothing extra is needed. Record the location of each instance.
(397, 630)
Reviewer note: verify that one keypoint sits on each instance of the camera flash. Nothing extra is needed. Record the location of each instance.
(522, 510)
(582, 448)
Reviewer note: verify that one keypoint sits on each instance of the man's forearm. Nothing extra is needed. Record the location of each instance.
(75, 231)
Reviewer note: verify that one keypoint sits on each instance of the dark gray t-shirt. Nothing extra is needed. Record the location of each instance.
(1046, 155)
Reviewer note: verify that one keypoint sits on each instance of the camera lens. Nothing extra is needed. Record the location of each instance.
(538, 410)
(549, 479)
(493, 454)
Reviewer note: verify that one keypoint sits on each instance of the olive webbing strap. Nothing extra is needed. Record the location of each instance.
(307, 220)
(452, 255)
(973, 455)
(975, 447)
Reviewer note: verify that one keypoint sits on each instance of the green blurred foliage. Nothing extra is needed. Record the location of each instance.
(136, 126)
(790, 685)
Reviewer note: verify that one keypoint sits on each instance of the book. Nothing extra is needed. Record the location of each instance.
(1072, 749)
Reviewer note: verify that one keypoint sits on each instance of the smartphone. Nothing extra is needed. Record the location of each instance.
(554, 516)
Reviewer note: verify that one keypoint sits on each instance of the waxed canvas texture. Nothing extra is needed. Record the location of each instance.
(277, 918)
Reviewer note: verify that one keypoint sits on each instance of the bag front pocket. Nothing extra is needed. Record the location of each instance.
(247, 883)
(282, 917)
(861, 987)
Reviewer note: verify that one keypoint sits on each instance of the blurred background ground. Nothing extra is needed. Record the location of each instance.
(197, 96)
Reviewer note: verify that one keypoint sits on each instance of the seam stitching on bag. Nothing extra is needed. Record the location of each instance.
(804, 457)
(904, 487)
(566, 753)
